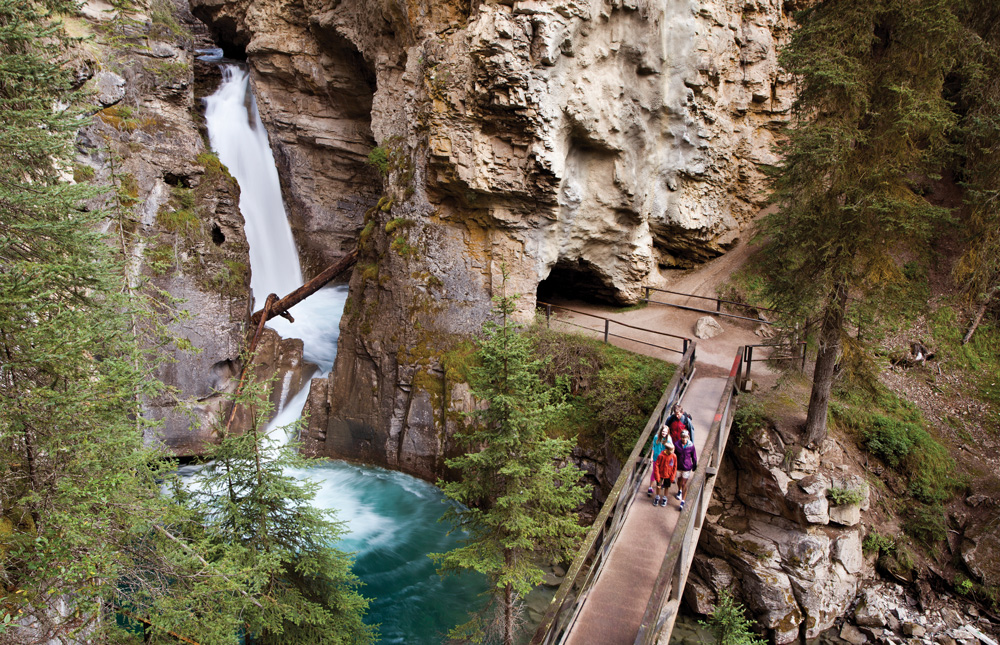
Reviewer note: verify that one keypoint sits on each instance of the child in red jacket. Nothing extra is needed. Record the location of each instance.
(665, 468)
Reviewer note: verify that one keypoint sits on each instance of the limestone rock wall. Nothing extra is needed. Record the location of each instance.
(587, 142)
(776, 539)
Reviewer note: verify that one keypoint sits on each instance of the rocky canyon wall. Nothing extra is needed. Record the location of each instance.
(584, 144)
(175, 209)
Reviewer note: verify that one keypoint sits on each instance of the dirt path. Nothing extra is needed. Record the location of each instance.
(714, 356)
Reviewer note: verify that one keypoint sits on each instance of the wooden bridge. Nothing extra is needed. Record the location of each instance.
(626, 582)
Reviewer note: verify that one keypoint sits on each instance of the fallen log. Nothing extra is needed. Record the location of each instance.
(281, 307)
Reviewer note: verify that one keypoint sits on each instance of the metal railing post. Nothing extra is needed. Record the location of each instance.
(718, 304)
(548, 316)
(646, 289)
(607, 324)
(747, 358)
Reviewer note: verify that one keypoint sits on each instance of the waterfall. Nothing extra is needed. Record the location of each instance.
(239, 139)
(392, 519)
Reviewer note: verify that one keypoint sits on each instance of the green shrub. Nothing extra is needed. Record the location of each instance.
(611, 392)
(877, 543)
(729, 623)
(83, 172)
(962, 585)
(894, 430)
(926, 524)
(890, 439)
(748, 418)
(844, 496)
(379, 159)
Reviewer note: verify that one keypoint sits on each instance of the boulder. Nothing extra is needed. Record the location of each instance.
(852, 634)
(846, 514)
(707, 327)
(109, 88)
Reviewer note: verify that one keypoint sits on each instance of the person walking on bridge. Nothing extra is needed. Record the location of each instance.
(687, 463)
(665, 468)
(660, 441)
(678, 422)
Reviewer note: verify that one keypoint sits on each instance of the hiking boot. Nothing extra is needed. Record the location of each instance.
(663, 502)
(649, 492)
(656, 501)
(678, 495)
(682, 505)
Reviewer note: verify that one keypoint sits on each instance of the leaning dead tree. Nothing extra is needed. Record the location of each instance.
(273, 306)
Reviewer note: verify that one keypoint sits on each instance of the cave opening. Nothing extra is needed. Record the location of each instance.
(576, 280)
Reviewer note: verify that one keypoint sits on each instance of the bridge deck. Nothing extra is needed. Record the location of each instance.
(614, 609)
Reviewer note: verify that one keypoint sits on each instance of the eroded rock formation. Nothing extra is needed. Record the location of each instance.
(777, 537)
(584, 144)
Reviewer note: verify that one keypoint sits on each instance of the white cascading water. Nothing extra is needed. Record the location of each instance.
(241, 144)
(392, 519)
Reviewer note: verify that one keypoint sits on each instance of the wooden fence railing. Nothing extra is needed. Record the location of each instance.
(779, 352)
(608, 322)
(661, 610)
(593, 553)
(718, 306)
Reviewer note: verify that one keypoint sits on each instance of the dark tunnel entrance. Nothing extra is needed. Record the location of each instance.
(576, 280)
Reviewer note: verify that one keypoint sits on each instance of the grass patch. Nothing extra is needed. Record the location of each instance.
(845, 496)
(214, 168)
(894, 431)
(232, 279)
(611, 392)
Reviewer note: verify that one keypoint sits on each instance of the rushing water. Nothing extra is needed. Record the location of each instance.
(392, 518)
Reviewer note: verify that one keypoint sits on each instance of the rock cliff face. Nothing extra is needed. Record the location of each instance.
(575, 144)
(778, 539)
(178, 212)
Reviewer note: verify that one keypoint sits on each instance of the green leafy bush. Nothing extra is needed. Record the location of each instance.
(926, 524)
(379, 159)
(611, 392)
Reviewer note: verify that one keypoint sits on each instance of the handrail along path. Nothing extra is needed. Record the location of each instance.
(597, 545)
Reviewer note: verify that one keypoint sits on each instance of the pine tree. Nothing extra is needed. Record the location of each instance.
(78, 488)
(978, 102)
(871, 121)
(258, 525)
(517, 491)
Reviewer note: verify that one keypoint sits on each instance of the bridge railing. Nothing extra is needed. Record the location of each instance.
(607, 326)
(596, 547)
(664, 602)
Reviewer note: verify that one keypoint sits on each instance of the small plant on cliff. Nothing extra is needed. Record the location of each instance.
(844, 496)
(518, 500)
(379, 159)
(729, 624)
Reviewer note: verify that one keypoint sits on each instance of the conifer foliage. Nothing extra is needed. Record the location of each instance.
(518, 492)
(74, 475)
(871, 124)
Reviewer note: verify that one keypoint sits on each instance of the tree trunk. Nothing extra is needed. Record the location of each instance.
(826, 363)
(979, 315)
(508, 617)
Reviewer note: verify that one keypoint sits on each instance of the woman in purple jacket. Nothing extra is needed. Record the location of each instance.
(687, 463)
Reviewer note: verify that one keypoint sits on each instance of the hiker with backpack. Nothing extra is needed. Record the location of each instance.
(679, 421)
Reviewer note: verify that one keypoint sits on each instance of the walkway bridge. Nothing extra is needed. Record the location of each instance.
(626, 582)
